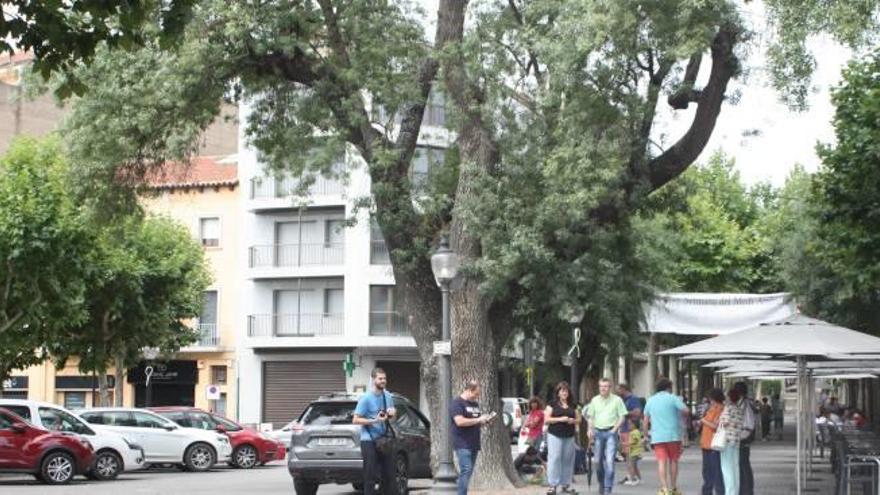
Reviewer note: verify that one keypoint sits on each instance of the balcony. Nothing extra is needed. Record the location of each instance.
(296, 325)
(388, 324)
(269, 193)
(290, 255)
(207, 337)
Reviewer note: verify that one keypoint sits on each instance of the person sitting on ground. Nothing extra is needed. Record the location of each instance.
(529, 466)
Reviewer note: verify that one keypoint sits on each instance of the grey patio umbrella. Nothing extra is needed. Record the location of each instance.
(798, 336)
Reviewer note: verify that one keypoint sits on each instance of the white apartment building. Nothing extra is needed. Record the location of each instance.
(315, 291)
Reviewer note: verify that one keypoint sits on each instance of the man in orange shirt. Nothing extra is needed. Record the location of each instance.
(712, 479)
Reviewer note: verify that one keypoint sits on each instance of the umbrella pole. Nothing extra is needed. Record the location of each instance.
(800, 418)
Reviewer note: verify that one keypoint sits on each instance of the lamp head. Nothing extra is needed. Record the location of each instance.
(444, 262)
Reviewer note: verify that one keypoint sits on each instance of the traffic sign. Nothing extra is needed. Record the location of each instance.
(212, 392)
(442, 348)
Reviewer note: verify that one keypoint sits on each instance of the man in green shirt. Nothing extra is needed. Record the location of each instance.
(605, 414)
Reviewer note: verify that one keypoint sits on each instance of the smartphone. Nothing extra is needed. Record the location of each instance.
(492, 415)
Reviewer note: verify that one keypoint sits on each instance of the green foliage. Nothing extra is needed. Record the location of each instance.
(706, 232)
(836, 269)
(62, 34)
(145, 277)
(42, 253)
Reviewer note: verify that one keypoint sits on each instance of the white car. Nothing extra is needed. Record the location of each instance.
(164, 441)
(283, 435)
(114, 453)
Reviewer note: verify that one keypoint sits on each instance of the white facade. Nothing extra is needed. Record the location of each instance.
(306, 289)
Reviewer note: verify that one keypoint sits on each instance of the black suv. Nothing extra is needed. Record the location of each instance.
(325, 445)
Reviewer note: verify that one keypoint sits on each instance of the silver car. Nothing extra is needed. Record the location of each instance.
(325, 445)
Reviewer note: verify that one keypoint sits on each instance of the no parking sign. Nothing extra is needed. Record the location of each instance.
(213, 392)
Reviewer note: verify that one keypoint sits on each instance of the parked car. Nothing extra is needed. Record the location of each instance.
(514, 410)
(249, 447)
(53, 457)
(283, 434)
(113, 452)
(164, 442)
(325, 445)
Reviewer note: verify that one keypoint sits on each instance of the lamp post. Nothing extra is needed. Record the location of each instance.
(444, 264)
(575, 317)
(149, 353)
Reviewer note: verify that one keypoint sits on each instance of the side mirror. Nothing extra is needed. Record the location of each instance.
(220, 429)
(169, 427)
(18, 427)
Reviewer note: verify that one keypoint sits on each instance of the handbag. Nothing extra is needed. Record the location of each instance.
(719, 439)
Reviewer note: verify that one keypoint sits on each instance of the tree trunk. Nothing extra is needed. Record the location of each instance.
(475, 356)
(103, 389)
(120, 371)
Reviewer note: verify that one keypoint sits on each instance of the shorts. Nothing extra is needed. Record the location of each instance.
(667, 451)
(624, 442)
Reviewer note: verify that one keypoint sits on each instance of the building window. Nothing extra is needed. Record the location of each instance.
(209, 231)
(378, 250)
(220, 405)
(425, 161)
(334, 233)
(435, 111)
(74, 400)
(218, 375)
(334, 302)
(208, 319)
(385, 318)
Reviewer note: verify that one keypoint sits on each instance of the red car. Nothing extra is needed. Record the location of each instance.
(52, 457)
(249, 447)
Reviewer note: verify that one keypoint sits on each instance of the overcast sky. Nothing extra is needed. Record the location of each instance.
(764, 136)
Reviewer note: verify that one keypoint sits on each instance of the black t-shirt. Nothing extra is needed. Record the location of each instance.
(467, 437)
(562, 430)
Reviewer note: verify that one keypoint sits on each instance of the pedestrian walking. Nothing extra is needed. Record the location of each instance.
(749, 425)
(732, 421)
(663, 414)
(467, 419)
(635, 451)
(713, 483)
(560, 417)
(766, 418)
(372, 413)
(634, 416)
(605, 414)
(778, 415)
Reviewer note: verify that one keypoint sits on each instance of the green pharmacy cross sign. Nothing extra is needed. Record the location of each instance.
(348, 365)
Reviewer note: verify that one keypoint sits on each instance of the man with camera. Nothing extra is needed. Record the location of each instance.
(374, 409)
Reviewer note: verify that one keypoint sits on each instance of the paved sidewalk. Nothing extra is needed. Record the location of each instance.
(773, 464)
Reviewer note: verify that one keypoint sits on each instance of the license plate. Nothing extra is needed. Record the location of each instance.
(332, 442)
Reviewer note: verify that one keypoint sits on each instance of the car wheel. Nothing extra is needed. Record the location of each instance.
(400, 483)
(199, 457)
(107, 466)
(245, 456)
(302, 487)
(57, 468)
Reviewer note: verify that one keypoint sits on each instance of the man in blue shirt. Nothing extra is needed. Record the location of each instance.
(467, 418)
(374, 409)
(663, 414)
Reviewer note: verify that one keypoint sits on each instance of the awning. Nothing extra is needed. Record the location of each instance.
(713, 313)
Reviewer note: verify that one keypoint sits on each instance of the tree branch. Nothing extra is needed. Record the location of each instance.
(677, 158)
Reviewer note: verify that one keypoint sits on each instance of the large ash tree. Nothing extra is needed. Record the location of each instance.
(553, 107)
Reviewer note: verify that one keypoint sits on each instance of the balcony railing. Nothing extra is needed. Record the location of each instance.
(268, 187)
(296, 325)
(388, 324)
(379, 253)
(208, 336)
(284, 255)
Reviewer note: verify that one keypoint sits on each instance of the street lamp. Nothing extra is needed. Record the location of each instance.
(575, 317)
(444, 264)
(149, 353)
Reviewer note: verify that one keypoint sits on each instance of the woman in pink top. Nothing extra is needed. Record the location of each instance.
(535, 422)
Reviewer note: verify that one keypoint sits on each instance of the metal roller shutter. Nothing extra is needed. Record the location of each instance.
(289, 386)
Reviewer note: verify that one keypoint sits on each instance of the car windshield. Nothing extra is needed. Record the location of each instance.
(58, 420)
(229, 425)
(328, 413)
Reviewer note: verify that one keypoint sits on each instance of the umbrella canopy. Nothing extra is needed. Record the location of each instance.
(796, 335)
(705, 357)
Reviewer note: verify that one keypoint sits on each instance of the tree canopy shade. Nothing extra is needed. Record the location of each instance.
(43, 245)
(552, 108)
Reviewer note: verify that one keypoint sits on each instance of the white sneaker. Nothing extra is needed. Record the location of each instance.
(635, 482)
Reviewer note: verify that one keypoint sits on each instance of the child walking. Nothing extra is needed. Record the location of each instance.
(636, 450)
